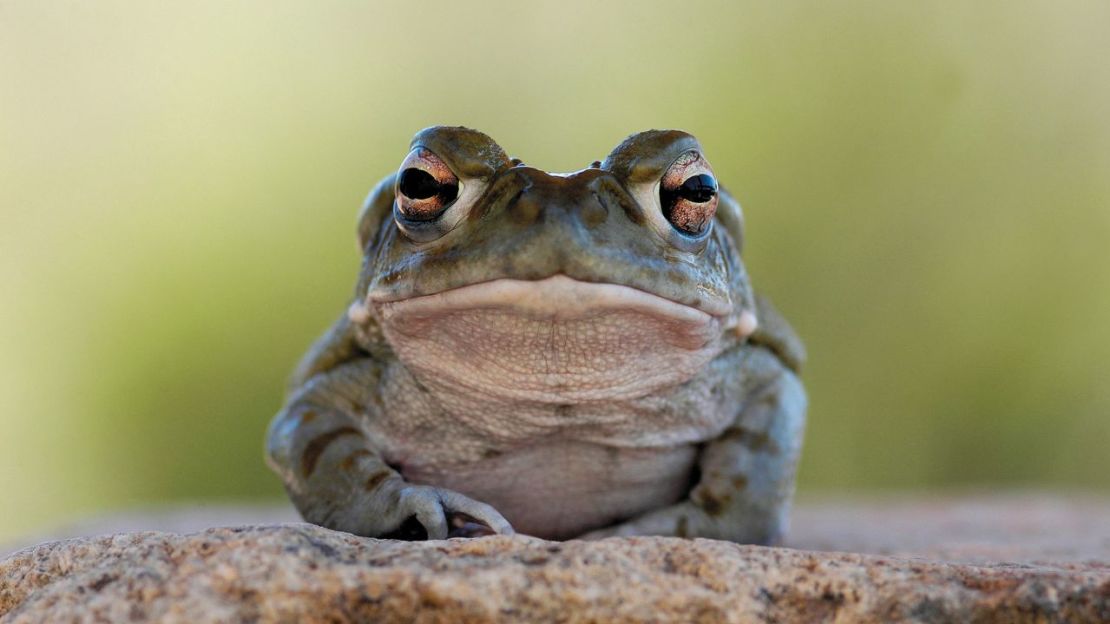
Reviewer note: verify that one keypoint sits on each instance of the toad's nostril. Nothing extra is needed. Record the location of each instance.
(612, 196)
(594, 210)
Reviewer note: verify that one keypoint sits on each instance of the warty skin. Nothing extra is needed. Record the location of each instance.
(562, 355)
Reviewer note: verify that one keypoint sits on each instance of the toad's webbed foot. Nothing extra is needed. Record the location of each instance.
(337, 480)
(688, 520)
(458, 525)
(747, 473)
(436, 513)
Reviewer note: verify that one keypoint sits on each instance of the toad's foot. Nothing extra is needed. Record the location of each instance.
(436, 513)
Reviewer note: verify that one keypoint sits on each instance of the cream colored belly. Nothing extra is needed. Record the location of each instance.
(559, 490)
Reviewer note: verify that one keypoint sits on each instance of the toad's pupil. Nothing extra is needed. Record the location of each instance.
(698, 189)
(419, 184)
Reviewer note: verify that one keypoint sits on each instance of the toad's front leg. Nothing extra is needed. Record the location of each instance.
(747, 473)
(337, 480)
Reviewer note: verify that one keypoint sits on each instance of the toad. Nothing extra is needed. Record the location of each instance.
(560, 355)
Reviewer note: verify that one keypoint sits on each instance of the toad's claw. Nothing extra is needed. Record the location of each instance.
(463, 525)
(444, 513)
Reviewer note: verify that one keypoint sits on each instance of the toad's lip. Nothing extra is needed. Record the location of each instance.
(525, 291)
(557, 297)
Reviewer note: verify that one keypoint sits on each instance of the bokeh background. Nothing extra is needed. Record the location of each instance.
(927, 187)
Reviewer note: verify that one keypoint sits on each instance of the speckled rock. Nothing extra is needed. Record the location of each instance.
(303, 573)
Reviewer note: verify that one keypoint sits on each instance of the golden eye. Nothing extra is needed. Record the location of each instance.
(688, 194)
(426, 186)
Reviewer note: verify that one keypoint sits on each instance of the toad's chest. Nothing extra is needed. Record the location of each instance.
(553, 469)
(421, 422)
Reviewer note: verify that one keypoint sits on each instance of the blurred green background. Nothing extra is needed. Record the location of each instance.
(927, 187)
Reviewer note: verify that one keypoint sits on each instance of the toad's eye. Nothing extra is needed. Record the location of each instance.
(426, 186)
(418, 184)
(698, 189)
(688, 194)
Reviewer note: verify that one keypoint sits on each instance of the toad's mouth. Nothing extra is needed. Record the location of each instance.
(556, 340)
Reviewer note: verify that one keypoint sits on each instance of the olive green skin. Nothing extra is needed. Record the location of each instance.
(532, 225)
(331, 441)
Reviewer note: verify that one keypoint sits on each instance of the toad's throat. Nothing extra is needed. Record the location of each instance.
(556, 340)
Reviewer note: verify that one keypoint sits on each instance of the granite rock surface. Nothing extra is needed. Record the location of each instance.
(954, 563)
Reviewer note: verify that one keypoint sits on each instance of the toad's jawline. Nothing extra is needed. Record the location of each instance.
(558, 297)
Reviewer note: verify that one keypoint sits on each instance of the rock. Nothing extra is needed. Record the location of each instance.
(303, 573)
(973, 528)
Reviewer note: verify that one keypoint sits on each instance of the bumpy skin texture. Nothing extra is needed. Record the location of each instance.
(548, 355)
